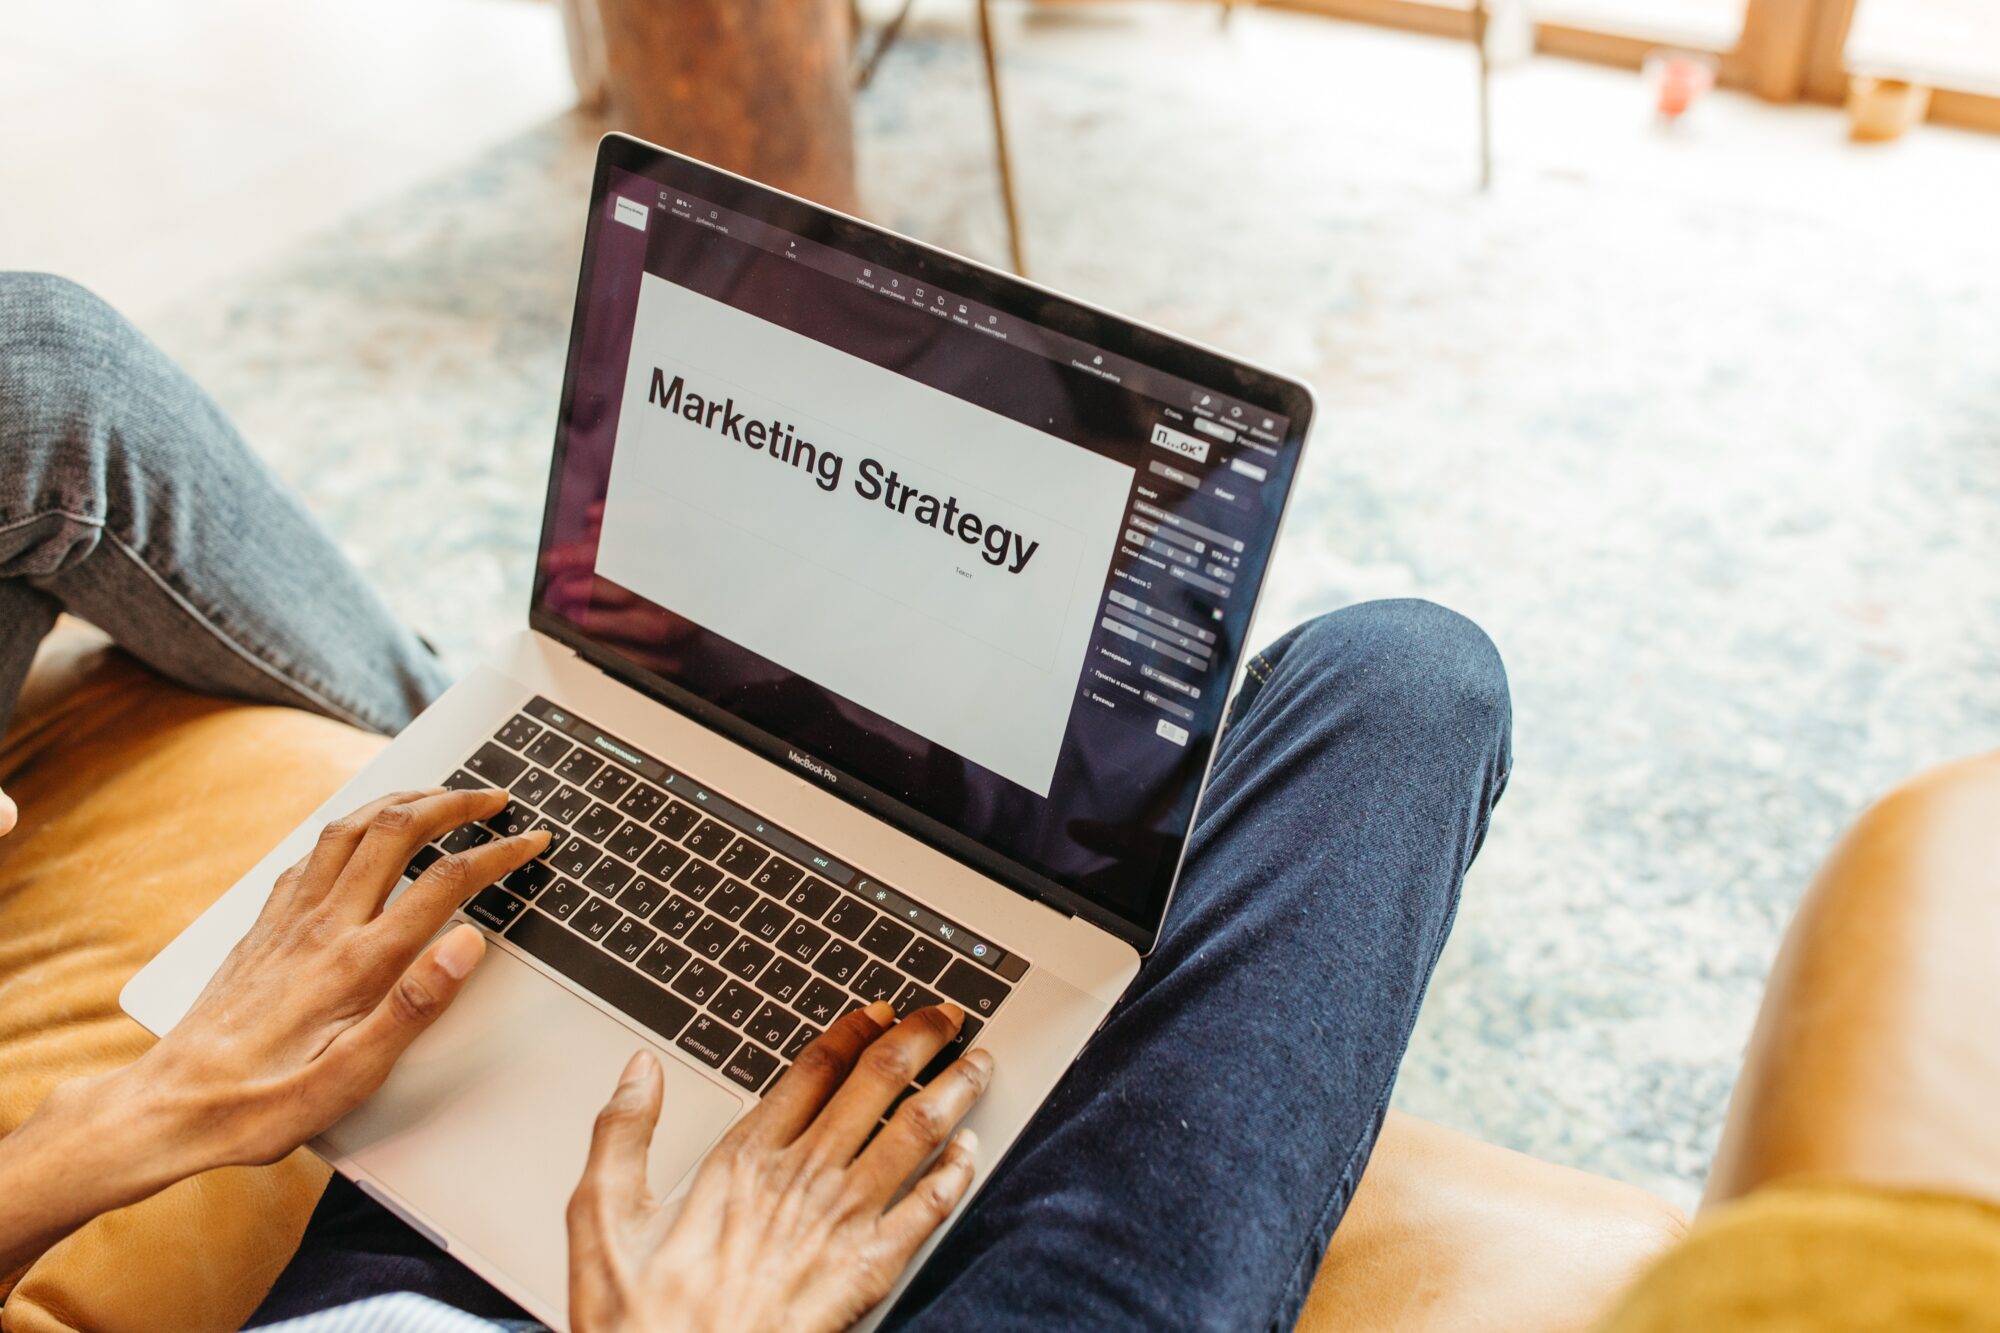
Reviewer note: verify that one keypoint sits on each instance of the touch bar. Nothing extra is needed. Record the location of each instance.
(569, 724)
(1188, 525)
(1131, 603)
(1148, 641)
(731, 813)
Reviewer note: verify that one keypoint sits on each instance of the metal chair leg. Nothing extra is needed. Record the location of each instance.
(1000, 151)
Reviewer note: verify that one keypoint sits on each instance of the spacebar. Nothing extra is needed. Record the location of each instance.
(601, 974)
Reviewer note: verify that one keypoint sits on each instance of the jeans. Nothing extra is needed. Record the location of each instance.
(1190, 1168)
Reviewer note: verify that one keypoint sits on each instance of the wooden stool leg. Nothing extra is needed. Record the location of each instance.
(1000, 140)
(890, 32)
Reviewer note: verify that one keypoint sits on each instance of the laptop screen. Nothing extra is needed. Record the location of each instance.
(975, 556)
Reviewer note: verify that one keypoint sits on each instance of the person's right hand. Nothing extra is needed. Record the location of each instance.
(790, 1223)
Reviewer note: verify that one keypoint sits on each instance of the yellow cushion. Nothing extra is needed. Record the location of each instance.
(140, 803)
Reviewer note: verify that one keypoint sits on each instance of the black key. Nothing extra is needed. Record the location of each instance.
(425, 858)
(643, 802)
(677, 917)
(565, 803)
(782, 980)
(518, 732)
(698, 981)
(663, 861)
(800, 1040)
(496, 765)
(841, 962)
(530, 879)
(460, 780)
(733, 899)
(642, 896)
(610, 784)
(562, 899)
(710, 838)
(494, 907)
(886, 938)
(924, 959)
(630, 842)
(954, 1048)
(534, 785)
(821, 1002)
(708, 1041)
(879, 981)
(743, 858)
(734, 1003)
(977, 990)
(601, 974)
(555, 831)
(912, 998)
(548, 750)
(609, 876)
(746, 958)
(663, 959)
(848, 918)
(574, 858)
(676, 820)
(515, 817)
(802, 941)
(629, 940)
(464, 838)
(578, 766)
(773, 1026)
(750, 1067)
(767, 921)
(711, 938)
(697, 878)
(811, 897)
(777, 877)
(597, 823)
(595, 919)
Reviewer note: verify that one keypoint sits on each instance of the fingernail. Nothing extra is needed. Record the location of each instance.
(980, 1060)
(532, 834)
(882, 1012)
(460, 952)
(968, 1142)
(636, 1068)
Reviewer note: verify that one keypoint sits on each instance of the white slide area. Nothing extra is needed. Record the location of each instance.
(932, 561)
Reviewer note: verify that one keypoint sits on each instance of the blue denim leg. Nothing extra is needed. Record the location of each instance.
(127, 498)
(1190, 1169)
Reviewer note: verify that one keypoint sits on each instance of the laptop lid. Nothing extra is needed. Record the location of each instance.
(974, 556)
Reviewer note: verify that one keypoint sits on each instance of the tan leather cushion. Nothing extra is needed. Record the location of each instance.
(140, 803)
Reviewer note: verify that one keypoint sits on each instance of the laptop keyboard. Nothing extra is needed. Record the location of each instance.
(732, 939)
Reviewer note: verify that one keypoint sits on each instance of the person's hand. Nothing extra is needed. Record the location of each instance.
(791, 1223)
(10, 814)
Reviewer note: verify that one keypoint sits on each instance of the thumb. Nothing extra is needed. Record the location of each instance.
(10, 814)
(623, 1134)
(424, 991)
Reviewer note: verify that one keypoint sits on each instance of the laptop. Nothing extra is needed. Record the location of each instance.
(886, 614)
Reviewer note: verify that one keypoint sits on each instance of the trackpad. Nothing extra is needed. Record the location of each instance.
(483, 1129)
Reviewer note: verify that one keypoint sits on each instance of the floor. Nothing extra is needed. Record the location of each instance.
(1702, 424)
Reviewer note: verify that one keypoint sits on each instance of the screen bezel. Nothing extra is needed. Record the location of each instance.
(1002, 291)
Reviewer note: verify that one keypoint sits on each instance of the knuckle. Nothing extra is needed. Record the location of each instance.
(411, 1001)
(394, 819)
(926, 1119)
(891, 1061)
(340, 830)
(451, 872)
(818, 1061)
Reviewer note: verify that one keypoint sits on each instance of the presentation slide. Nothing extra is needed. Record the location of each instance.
(931, 561)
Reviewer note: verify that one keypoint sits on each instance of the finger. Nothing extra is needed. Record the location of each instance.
(924, 1209)
(392, 837)
(355, 1063)
(444, 888)
(922, 1123)
(615, 1172)
(880, 1076)
(312, 877)
(789, 1107)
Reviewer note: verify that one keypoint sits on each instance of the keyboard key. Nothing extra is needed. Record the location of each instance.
(464, 838)
(629, 940)
(733, 899)
(534, 785)
(643, 802)
(643, 896)
(494, 906)
(630, 842)
(848, 918)
(821, 1002)
(601, 974)
(734, 1003)
(555, 831)
(595, 919)
(425, 858)
(878, 981)
(802, 941)
(777, 877)
(783, 980)
(709, 1042)
(976, 990)
(548, 750)
(841, 963)
(515, 817)
(743, 858)
(676, 820)
(565, 804)
(574, 858)
(767, 921)
(746, 958)
(711, 938)
(697, 878)
(954, 1048)
(812, 897)
(610, 784)
(608, 876)
(597, 823)
(578, 766)
(698, 981)
(924, 959)
(530, 879)
(518, 732)
(710, 838)
(750, 1067)
(663, 960)
(562, 899)
(460, 780)
(773, 1026)
(677, 916)
(912, 998)
(496, 765)
(663, 861)
(800, 1040)
(887, 939)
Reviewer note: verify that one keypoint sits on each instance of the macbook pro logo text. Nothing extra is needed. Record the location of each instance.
(813, 766)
